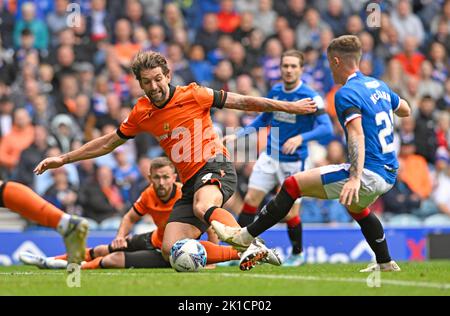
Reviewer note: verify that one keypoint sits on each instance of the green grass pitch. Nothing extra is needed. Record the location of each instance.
(426, 278)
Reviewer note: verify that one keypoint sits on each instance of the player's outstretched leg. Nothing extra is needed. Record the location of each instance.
(295, 232)
(24, 201)
(374, 233)
(270, 215)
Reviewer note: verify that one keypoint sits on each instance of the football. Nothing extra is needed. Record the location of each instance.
(187, 255)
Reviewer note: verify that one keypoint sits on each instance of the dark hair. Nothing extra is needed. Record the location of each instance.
(346, 46)
(26, 32)
(161, 162)
(294, 53)
(148, 60)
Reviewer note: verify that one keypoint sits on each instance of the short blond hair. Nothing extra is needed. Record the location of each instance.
(148, 60)
(346, 46)
(161, 162)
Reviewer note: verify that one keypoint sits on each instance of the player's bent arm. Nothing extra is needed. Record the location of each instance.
(259, 104)
(356, 147)
(127, 223)
(403, 110)
(95, 148)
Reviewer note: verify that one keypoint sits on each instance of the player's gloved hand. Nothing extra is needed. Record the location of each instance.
(49, 163)
(350, 192)
(291, 145)
(119, 243)
(304, 106)
(229, 139)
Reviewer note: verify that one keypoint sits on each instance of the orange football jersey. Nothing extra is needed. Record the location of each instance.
(183, 127)
(149, 203)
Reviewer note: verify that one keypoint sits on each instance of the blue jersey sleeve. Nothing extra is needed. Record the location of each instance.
(262, 120)
(323, 128)
(347, 105)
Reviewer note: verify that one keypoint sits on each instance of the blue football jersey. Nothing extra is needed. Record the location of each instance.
(285, 125)
(375, 103)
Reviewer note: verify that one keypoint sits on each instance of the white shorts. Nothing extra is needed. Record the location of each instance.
(372, 185)
(269, 173)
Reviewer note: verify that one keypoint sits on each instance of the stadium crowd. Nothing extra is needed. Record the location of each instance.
(65, 79)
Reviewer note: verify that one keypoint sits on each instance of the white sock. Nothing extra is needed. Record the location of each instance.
(63, 224)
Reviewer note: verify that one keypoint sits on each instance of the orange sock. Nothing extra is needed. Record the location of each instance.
(24, 201)
(221, 215)
(216, 253)
(91, 265)
(87, 256)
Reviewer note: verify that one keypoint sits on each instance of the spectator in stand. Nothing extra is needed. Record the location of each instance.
(62, 193)
(407, 23)
(414, 170)
(6, 115)
(16, 141)
(367, 46)
(228, 19)
(443, 130)
(335, 17)
(157, 37)
(99, 22)
(208, 35)
(425, 134)
(101, 199)
(134, 13)
(238, 60)
(201, 68)
(30, 157)
(172, 20)
(440, 193)
(141, 183)
(443, 103)
(125, 174)
(246, 26)
(295, 12)
(440, 61)
(124, 49)
(34, 24)
(354, 25)
(410, 58)
(429, 86)
(180, 65)
(57, 20)
(309, 30)
(223, 77)
(271, 61)
(265, 17)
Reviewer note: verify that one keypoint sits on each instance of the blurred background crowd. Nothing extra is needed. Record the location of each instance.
(65, 79)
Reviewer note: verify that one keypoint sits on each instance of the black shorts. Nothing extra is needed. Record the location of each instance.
(141, 253)
(221, 173)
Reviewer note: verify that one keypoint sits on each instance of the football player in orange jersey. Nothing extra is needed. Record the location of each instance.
(22, 200)
(144, 250)
(179, 117)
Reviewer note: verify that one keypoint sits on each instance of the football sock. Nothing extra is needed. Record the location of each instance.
(277, 208)
(247, 215)
(21, 199)
(154, 259)
(221, 215)
(295, 234)
(88, 255)
(94, 264)
(373, 232)
(216, 253)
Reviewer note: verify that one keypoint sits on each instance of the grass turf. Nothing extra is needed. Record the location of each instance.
(425, 278)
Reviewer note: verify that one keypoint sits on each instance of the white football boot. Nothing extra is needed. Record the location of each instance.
(231, 235)
(75, 239)
(258, 253)
(390, 266)
(42, 262)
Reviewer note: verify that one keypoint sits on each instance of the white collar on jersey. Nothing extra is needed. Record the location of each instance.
(353, 75)
(293, 90)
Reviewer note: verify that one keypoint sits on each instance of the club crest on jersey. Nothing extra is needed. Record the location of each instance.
(166, 127)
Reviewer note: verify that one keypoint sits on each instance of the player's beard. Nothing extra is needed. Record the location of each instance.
(155, 98)
(162, 192)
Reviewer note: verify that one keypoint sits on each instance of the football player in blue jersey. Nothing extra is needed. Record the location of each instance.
(365, 108)
(287, 149)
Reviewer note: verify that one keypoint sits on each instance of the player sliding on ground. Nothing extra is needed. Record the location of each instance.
(144, 250)
(179, 118)
(22, 200)
(365, 108)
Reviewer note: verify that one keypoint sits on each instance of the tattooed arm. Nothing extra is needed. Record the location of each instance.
(356, 153)
(258, 104)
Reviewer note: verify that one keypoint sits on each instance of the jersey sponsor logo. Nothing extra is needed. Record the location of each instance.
(285, 117)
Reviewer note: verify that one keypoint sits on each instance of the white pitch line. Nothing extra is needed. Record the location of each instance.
(442, 286)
